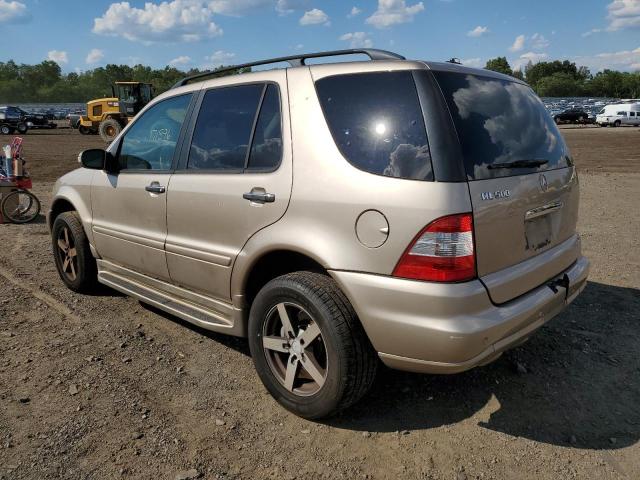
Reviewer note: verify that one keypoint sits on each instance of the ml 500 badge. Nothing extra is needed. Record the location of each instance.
(496, 194)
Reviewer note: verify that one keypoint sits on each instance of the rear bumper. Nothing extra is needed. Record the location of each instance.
(448, 328)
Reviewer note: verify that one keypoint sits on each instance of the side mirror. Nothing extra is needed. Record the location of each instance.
(93, 159)
(98, 159)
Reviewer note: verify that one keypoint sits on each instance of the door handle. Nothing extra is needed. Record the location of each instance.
(259, 197)
(155, 187)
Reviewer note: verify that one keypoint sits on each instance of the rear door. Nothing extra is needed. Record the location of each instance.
(234, 179)
(523, 187)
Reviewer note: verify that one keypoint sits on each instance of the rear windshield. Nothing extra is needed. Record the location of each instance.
(377, 123)
(499, 122)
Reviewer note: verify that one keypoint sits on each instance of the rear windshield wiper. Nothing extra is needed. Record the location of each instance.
(519, 164)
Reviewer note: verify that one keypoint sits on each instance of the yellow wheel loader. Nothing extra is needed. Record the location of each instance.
(108, 116)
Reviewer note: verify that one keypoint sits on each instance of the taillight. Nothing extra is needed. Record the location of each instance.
(442, 252)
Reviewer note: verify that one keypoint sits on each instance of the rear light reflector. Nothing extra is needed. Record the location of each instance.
(442, 252)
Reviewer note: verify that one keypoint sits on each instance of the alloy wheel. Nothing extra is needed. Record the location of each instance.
(294, 348)
(67, 254)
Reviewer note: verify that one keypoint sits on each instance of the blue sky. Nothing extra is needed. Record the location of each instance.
(83, 34)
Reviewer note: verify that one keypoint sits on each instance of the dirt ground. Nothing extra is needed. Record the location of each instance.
(101, 386)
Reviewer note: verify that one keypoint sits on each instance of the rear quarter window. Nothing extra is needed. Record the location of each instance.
(498, 122)
(377, 123)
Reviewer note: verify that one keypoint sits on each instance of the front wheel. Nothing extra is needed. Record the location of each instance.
(20, 206)
(109, 129)
(617, 123)
(74, 261)
(84, 130)
(308, 346)
(22, 128)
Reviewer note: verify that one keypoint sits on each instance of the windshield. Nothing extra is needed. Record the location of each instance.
(500, 122)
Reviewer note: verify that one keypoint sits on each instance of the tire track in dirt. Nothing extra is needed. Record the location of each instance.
(39, 294)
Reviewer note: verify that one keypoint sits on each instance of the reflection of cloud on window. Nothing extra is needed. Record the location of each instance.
(513, 117)
(409, 161)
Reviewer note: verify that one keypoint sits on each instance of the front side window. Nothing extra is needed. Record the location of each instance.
(377, 123)
(499, 122)
(151, 141)
(223, 130)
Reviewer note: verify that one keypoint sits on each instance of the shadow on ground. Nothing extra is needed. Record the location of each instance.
(580, 389)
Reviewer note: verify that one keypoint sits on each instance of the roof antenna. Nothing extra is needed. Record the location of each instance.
(454, 60)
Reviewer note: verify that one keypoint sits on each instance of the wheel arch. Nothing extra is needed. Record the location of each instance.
(271, 264)
(68, 199)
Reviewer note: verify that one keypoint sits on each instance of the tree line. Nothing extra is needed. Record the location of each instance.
(566, 79)
(46, 83)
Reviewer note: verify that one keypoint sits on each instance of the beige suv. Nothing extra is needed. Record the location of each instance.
(419, 213)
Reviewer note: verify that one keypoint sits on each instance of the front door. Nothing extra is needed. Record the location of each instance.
(234, 179)
(130, 207)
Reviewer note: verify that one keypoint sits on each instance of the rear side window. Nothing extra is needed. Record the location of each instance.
(223, 129)
(377, 123)
(266, 149)
(499, 122)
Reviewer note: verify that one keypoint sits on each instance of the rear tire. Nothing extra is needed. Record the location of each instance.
(339, 352)
(109, 129)
(84, 130)
(75, 263)
(6, 130)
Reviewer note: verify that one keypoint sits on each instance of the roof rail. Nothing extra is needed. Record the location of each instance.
(296, 61)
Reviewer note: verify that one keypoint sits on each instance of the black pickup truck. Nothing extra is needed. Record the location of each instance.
(12, 119)
(38, 120)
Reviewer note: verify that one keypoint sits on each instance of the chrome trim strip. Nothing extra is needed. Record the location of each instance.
(543, 210)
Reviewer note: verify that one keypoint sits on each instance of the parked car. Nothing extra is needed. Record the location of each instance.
(336, 215)
(37, 120)
(74, 119)
(11, 120)
(619, 114)
(571, 115)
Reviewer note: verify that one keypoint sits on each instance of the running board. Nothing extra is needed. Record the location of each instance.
(213, 315)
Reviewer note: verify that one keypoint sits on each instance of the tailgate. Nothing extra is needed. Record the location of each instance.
(522, 182)
(516, 220)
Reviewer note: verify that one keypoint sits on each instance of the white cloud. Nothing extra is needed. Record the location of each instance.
(175, 20)
(622, 60)
(539, 42)
(623, 14)
(591, 32)
(524, 59)
(518, 44)
(355, 11)
(219, 57)
(393, 12)
(478, 31)
(180, 61)
(299, 46)
(236, 7)
(94, 56)
(284, 7)
(472, 62)
(315, 17)
(357, 40)
(13, 12)
(58, 56)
